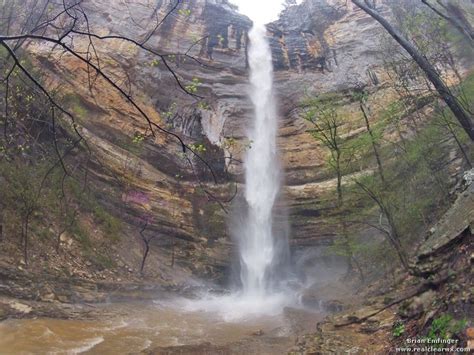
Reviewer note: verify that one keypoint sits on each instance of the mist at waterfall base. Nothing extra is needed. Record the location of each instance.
(259, 223)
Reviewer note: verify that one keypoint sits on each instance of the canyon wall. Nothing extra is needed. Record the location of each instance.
(319, 47)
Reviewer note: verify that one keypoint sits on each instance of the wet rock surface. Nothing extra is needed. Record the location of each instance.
(456, 224)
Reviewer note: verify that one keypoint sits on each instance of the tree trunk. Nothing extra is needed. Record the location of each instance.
(374, 144)
(396, 240)
(24, 232)
(459, 25)
(458, 142)
(58, 241)
(145, 254)
(146, 246)
(458, 111)
(1, 224)
(339, 179)
(172, 254)
(393, 235)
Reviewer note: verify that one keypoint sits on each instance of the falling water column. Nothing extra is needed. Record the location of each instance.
(262, 171)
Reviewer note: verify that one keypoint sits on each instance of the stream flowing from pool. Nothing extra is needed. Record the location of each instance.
(132, 327)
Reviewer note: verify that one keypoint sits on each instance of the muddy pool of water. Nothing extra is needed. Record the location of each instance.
(132, 328)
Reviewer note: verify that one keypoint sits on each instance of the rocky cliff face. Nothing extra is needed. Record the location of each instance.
(316, 51)
(144, 176)
(318, 47)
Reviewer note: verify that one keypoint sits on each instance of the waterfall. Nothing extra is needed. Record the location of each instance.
(257, 245)
(261, 233)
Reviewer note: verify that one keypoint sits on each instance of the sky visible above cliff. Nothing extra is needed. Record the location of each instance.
(262, 11)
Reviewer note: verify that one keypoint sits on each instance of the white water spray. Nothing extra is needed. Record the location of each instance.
(260, 249)
(262, 172)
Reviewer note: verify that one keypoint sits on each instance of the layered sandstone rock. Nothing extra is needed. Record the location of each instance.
(321, 46)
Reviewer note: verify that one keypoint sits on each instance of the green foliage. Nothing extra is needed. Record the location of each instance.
(101, 260)
(344, 246)
(184, 12)
(465, 95)
(417, 182)
(459, 326)
(193, 86)
(138, 138)
(427, 32)
(198, 147)
(21, 194)
(81, 236)
(154, 63)
(327, 128)
(133, 144)
(445, 327)
(108, 223)
(393, 112)
(73, 101)
(33, 185)
(220, 39)
(359, 95)
(3, 54)
(467, 86)
(398, 329)
(98, 257)
(171, 111)
(20, 187)
(229, 142)
(195, 38)
(203, 105)
(41, 232)
(334, 98)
